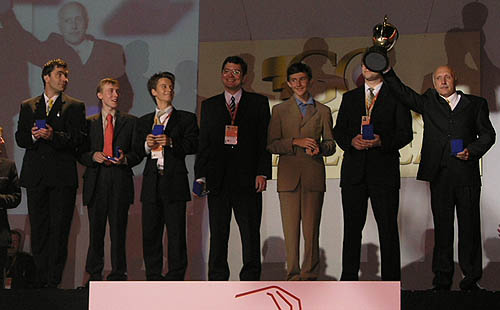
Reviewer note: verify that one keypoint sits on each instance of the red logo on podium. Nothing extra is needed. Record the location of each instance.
(278, 295)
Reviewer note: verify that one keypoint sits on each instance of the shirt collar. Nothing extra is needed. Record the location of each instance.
(453, 98)
(167, 110)
(164, 116)
(309, 101)
(105, 114)
(54, 98)
(237, 96)
(376, 89)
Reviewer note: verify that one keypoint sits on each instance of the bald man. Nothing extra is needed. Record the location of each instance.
(457, 133)
(90, 59)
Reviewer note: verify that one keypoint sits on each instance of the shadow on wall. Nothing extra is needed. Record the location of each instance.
(491, 272)
(274, 261)
(474, 16)
(418, 275)
(466, 62)
(370, 268)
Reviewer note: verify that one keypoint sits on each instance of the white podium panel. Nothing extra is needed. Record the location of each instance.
(328, 295)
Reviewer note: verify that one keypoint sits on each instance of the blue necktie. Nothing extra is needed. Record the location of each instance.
(303, 108)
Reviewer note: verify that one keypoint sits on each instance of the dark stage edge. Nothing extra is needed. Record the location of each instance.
(52, 299)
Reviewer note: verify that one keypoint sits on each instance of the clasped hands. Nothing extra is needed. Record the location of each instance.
(42, 133)
(157, 141)
(310, 145)
(361, 144)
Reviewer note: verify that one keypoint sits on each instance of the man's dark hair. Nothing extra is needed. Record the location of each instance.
(51, 65)
(298, 67)
(236, 60)
(153, 81)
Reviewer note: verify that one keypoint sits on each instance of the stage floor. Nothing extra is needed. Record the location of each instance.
(52, 299)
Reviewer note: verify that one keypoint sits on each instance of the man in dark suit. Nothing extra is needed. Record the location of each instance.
(10, 197)
(165, 137)
(49, 168)
(451, 118)
(370, 169)
(108, 188)
(233, 161)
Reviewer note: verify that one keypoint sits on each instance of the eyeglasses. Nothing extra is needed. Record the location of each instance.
(233, 71)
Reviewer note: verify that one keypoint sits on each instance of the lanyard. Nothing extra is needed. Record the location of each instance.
(369, 106)
(158, 122)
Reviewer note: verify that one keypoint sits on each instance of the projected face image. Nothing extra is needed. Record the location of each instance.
(73, 23)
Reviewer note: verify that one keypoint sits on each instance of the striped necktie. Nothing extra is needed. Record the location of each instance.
(232, 104)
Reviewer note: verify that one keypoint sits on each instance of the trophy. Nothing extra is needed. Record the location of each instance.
(384, 37)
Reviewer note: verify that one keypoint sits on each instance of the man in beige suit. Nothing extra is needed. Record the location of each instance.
(300, 131)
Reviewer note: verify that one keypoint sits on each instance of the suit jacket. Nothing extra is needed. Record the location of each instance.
(235, 166)
(469, 121)
(182, 128)
(51, 162)
(10, 197)
(391, 120)
(294, 164)
(124, 136)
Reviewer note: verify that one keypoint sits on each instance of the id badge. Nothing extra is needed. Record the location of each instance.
(157, 152)
(365, 120)
(8, 283)
(231, 137)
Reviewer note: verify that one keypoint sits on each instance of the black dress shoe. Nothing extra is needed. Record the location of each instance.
(472, 288)
(155, 278)
(440, 288)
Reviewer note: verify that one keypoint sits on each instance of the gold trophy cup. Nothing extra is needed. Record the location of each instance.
(384, 37)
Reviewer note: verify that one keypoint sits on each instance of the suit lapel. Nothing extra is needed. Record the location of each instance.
(243, 105)
(294, 115)
(99, 132)
(171, 122)
(39, 108)
(222, 109)
(379, 101)
(359, 103)
(462, 104)
(119, 122)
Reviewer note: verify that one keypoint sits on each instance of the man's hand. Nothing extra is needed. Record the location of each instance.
(306, 143)
(313, 152)
(46, 133)
(260, 183)
(162, 140)
(151, 141)
(361, 144)
(36, 132)
(464, 155)
(99, 157)
(120, 160)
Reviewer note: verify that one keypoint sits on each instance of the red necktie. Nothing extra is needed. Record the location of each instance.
(108, 136)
